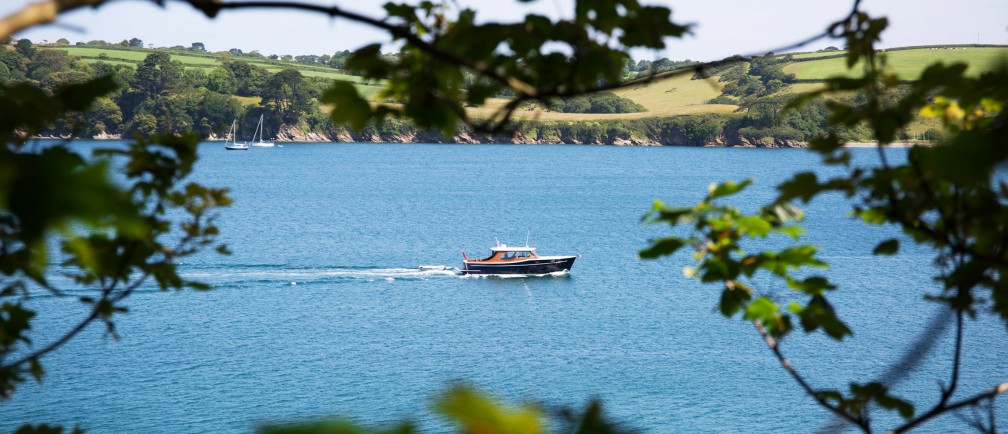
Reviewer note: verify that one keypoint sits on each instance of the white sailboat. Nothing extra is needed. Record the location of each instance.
(259, 133)
(231, 143)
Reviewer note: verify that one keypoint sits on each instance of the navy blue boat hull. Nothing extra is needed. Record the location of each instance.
(533, 266)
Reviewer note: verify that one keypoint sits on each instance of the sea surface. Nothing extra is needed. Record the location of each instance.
(323, 312)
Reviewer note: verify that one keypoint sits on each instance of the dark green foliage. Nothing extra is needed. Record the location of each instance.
(604, 102)
(945, 197)
(289, 95)
(25, 48)
(112, 236)
(763, 77)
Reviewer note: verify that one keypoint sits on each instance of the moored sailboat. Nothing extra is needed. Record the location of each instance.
(259, 132)
(231, 143)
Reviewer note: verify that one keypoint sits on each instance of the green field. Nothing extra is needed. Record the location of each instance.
(663, 97)
(129, 57)
(908, 64)
(814, 54)
(672, 92)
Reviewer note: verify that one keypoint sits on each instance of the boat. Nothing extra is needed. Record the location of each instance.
(259, 133)
(506, 259)
(231, 143)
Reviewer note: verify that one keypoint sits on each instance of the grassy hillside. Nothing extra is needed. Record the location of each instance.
(681, 95)
(130, 56)
(673, 94)
(907, 63)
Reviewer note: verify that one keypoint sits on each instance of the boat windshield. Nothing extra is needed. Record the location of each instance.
(517, 255)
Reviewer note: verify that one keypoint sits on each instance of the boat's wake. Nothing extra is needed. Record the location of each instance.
(257, 275)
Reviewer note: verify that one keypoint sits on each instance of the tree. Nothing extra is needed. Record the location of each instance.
(103, 117)
(945, 197)
(25, 48)
(136, 42)
(15, 62)
(221, 80)
(157, 75)
(287, 93)
(249, 79)
(62, 78)
(46, 62)
(198, 47)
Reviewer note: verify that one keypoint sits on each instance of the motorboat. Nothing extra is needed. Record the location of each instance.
(506, 259)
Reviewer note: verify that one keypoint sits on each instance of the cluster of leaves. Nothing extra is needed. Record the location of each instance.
(764, 76)
(946, 197)
(603, 102)
(472, 412)
(113, 236)
(538, 59)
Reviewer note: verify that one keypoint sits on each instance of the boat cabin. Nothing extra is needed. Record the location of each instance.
(503, 253)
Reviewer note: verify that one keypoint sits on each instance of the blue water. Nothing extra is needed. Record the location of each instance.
(322, 312)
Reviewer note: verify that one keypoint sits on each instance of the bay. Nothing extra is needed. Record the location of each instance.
(322, 310)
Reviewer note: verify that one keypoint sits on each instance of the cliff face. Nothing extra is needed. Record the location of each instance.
(732, 139)
(726, 139)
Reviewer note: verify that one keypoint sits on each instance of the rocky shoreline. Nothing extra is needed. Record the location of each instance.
(295, 135)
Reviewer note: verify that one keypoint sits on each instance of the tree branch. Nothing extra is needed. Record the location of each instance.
(786, 364)
(974, 400)
(43, 12)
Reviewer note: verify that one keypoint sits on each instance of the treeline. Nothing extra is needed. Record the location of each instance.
(160, 95)
(602, 102)
(646, 67)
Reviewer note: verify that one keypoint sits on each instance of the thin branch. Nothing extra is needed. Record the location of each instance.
(974, 400)
(786, 364)
(211, 8)
(42, 12)
(54, 344)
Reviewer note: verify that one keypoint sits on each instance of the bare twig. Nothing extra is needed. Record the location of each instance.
(786, 364)
(974, 400)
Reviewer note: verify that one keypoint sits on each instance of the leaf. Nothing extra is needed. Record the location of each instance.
(761, 309)
(593, 422)
(754, 226)
(905, 409)
(887, 247)
(78, 97)
(662, 247)
(814, 285)
(804, 186)
(348, 105)
(475, 413)
(39, 429)
(818, 313)
(733, 298)
(36, 369)
(765, 311)
(726, 188)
